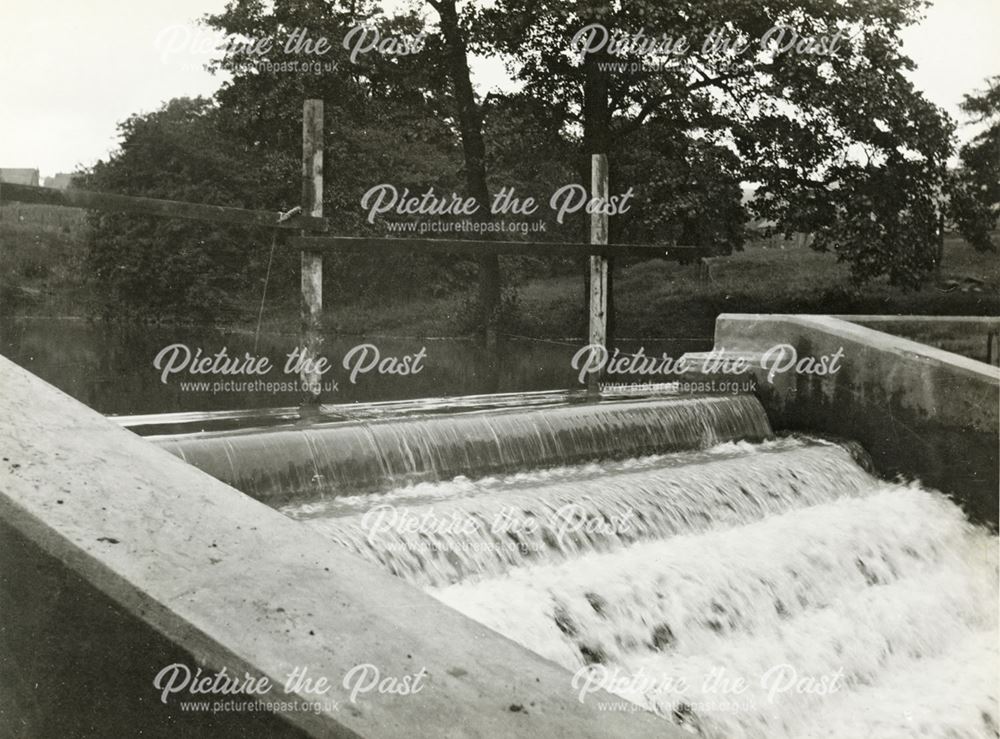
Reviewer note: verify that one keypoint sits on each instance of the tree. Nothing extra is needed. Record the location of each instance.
(975, 195)
(470, 128)
(430, 103)
(692, 193)
(822, 134)
(154, 268)
(387, 121)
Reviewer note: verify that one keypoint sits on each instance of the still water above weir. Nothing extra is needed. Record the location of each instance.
(110, 367)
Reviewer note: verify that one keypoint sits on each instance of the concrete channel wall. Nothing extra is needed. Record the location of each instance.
(118, 560)
(977, 337)
(920, 411)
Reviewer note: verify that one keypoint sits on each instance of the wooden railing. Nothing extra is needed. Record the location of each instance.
(315, 233)
(323, 239)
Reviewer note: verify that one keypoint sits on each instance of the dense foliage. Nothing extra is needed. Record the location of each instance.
(839, 145)
(975, 198)
(164, 268)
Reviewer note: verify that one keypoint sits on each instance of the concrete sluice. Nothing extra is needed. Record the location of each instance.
(671, 552)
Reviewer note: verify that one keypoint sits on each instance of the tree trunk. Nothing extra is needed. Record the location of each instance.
(470, 123)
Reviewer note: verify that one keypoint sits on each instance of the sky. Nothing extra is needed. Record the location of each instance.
(71, 71)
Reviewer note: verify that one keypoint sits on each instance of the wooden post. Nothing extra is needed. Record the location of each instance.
(312, 262)
(598, 333)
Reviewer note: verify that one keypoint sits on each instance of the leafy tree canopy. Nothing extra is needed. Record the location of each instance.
(975, 199)
(150, 267)
(840, 144)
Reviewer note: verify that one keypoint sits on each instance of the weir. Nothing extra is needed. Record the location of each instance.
(339, 458)
(542, 556)
(441, 533)
(774, 589)
(672, 552)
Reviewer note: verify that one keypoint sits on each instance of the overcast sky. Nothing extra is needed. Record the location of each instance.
(70, 71)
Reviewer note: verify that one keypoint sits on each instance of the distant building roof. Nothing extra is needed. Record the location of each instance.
(19, 176)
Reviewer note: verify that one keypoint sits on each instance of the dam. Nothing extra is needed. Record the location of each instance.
(661, 564)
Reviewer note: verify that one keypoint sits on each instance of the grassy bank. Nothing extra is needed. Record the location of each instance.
(41, 261)
(659, 298)
(42, 274)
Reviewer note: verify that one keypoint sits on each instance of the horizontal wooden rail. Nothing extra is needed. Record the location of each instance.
(74, 198)
(471, 246)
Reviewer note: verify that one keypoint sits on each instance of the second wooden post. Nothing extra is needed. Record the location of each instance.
(598, 331)
(312, 262)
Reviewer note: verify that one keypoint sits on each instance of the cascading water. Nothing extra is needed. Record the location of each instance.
(438, 534)
(334, 459)
(842, 603)
(772, 589)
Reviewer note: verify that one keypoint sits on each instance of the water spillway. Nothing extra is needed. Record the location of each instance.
(671, 552)
(339, 458)
(441, 533)
(749, 590)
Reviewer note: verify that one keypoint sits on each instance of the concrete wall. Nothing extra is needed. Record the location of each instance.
(976, 337)
(117, 559)
(920, 411)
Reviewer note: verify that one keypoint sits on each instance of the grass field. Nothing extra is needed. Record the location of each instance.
(41, 273)
(41, 261)
(667, 299)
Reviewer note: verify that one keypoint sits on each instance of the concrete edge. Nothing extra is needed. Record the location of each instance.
(843, 328)
(992, 322)
(922, 413)
(242, 587)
